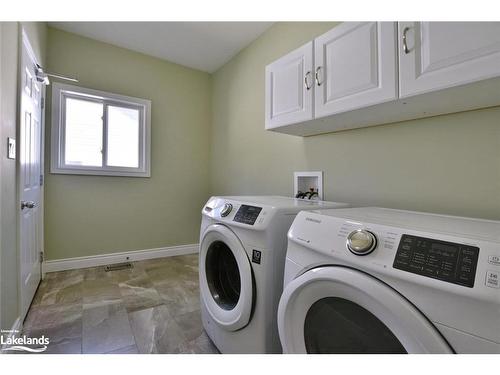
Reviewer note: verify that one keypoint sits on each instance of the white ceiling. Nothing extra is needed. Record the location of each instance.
(200, 45)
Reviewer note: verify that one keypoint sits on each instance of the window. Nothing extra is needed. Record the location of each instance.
(99, 133)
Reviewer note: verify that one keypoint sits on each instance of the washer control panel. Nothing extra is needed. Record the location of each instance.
(247, 214)
(447, 261)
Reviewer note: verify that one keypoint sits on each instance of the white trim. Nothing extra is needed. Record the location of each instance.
(1, 131)
(42, 177)
(111, 258)
(57, 164)
(15, 331)
(29, 48)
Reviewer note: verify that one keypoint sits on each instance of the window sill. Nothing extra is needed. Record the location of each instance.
(109, 173)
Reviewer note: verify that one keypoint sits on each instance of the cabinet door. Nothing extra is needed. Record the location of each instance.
(289, 88)
(437, 55)
(355, 67)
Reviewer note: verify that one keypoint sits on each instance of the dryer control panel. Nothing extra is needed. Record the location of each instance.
(447, 261)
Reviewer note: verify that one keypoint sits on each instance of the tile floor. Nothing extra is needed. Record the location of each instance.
(152, 308)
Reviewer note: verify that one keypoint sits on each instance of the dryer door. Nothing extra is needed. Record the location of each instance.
(335, 309)
(226, 283)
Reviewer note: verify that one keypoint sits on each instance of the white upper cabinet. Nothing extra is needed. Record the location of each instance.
(351, 77)
(355, 66)
(438, 55)
(290, 87)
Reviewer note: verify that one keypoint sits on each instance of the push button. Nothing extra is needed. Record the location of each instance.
(494, 259)
(493, 279)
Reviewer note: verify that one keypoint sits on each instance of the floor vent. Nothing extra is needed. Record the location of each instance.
(118, 266)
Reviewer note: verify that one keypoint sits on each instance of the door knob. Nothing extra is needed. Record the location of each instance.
(27, 204)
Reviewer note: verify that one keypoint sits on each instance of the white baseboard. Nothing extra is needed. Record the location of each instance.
(104, 259)
(15, 331)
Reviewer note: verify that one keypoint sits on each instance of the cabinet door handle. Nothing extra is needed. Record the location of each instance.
(308, 74)
(405, 44)
(316, 74)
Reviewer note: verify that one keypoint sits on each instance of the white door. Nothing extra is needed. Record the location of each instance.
(30, 136)
(355, 66)
(336, 310)
(289, 88)
(437, 55)
(226, 283)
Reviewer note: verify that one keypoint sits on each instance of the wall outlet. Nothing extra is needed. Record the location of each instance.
(11, 148)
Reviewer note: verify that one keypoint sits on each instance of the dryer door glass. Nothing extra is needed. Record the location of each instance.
(223, 275)
(336, 325)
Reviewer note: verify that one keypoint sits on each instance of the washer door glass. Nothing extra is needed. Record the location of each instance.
(226, 280)
(223, 275)
(335, 309)
(338, 326)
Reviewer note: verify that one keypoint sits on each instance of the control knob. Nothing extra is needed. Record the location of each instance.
(226, 210)
(361, 242)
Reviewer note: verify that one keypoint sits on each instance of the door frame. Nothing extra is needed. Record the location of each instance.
(1, 42)
(24, 42)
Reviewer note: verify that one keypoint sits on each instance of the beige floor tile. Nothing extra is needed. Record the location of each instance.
(42, 317)
(151, 308)
(138, 293)
(191, 324)
(100, 292)
(180, 299)
(156, 331)
(94, 273)
(106, 328)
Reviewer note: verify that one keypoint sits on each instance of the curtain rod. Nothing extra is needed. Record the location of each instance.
(43, 77)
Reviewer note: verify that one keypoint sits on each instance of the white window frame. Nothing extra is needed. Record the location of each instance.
(62, 91)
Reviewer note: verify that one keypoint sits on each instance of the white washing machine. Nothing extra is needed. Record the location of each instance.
(374, 280)
(242, 256)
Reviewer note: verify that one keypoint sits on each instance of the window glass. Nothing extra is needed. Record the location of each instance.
(83, 133)
(335, 325)
(123, 137)
(99, 133)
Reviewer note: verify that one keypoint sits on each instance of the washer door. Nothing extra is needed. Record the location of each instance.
(335, 309)
(226, 282)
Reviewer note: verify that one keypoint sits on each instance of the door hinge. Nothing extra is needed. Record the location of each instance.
(42, 101)
(41, 180)
(41, 256)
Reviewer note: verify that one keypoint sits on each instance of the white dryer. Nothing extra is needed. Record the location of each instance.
(374, 280)
(242, 256)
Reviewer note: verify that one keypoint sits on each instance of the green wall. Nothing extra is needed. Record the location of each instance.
(209, 138)
(88, 215)
(10, 34)
(446, 164)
